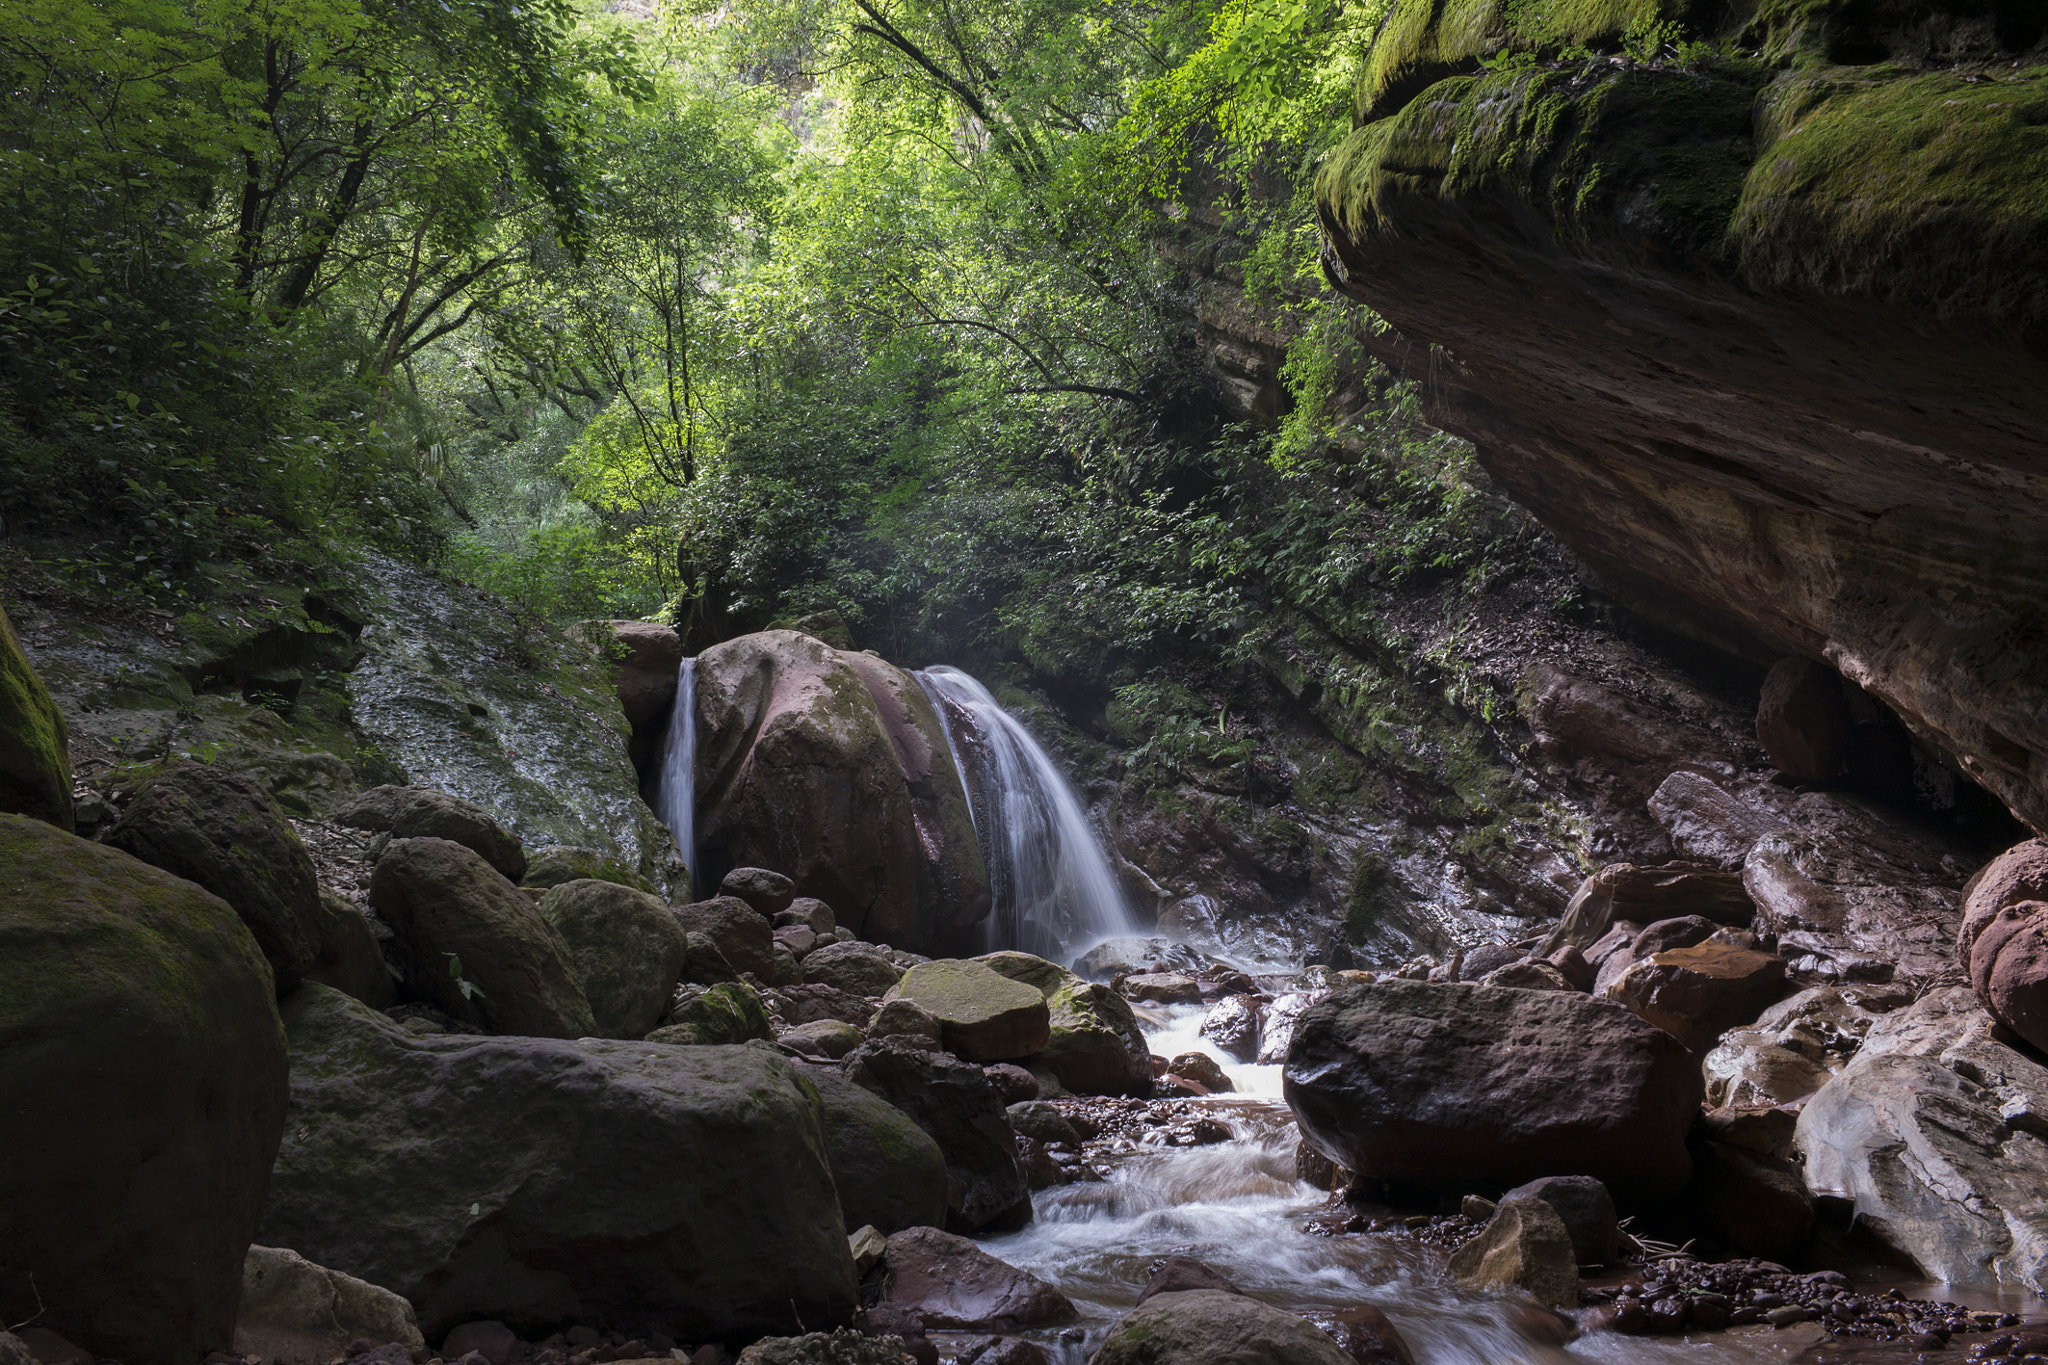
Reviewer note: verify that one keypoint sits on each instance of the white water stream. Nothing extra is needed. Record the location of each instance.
(675, 790)
(1053, 891)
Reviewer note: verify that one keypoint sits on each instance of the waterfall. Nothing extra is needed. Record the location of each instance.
(675, 792)
(1053, 891)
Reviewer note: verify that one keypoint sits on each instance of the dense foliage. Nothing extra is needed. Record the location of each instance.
(876, 313)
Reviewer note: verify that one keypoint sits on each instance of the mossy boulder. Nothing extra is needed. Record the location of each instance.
(351, 959)
(627, 950)
(539, 1181)
(832, 768)
(1216, 1327)
(473, 945)
(983, 1017)
(35, 750)
(852, 966)
(729, 1012)
(1094, 1044)
(144, 1067)
(549, 867)
(424, 813)
(224, 831)
(889, 1173)
(743, 936)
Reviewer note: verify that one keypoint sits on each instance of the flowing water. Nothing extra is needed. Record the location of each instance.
(1053, 891)
(1238, 1206)
(675, 791)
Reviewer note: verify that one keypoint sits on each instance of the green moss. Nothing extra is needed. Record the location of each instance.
(1426, 40)
(1364, 898)
(1904, 186)
(35, 751)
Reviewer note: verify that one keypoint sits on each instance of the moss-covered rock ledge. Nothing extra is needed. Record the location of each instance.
(1750, 306)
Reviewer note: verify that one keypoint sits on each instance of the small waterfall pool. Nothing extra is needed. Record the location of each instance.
(1053, 889)
(675, 791)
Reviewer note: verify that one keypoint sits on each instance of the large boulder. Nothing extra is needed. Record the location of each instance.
(1526, 1246)
(627, 950)
(743, 936)
(947, 1282)
(425, 813)
(983, 1017)
(1214, 1327)
(727, 1013)
(1629, 891)
(1794, 1046)
(1934, 1130)
(646, 663)
(1415, 1084)
(351, 959)
(2003, 940)
(889, 1173)
(1587, 1210)
(1094, 1045)
(144, 1069)
(226, 832)
(549, 867)
(854, 967)
(1232, 1024)
(832, 767)
(1697, 994)
(955, 1105)
(304, 1314)
(474, 946)
(537, 1181)
(35, 746)
(1802, 720)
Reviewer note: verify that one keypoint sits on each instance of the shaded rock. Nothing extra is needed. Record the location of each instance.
(843, 1346)
(1527, 976)
(423, 813)
(1487, 958)
(832, 767)
(808, 1004)
(1412, 1083)
(1042, 1122)
(1365, 1335)
(798, 939)
(719, 1015)
(1586, 1209)
(1747, 1070)
(1161, 988)
(1709, 823)
(1201, 1068)
(1526, 1247)
(1697, 994)
(1179, 1274)
(1012, 1084)
(303, 1314)
(552, 866)
(827, 1038)
(1667, 934)
(889, 1173)
(1628, 891)
(768, 892)
(905, 1019)
(952, 1102)
(627, 950)
(1767, 1132)
(856, 968)
(455, 921)
(812, 914)
(1571, 964)
(1802, 720)
(2003, 939)
(743, 937)
(646, 660)
(1756, 1203)
(681, 1190)
(35, 745)
(1232, 1024)
(350, 958)
(946, 1281)
(1934, 1129)
(1276, 1031)
(1133, 956)
(144, 1069)
(1210, 1327)
(493, 1341)
(224, 831)
(983, 1017)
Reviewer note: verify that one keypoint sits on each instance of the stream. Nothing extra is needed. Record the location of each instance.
(1237, 1206)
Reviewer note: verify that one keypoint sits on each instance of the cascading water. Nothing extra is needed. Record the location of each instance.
(675, 791)
(1052, 888)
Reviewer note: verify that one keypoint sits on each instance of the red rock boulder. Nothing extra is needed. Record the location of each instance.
(2003, 941)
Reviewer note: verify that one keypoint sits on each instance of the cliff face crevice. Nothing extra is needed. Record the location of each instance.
(1761, 337)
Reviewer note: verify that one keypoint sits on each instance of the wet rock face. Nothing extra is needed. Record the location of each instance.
(682, 1190)
(832, 768)
(1422, 1085)
(1707, 363)
(1213, 1327)
(949, 1282)
(1524, 1246)
(144, 1070)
